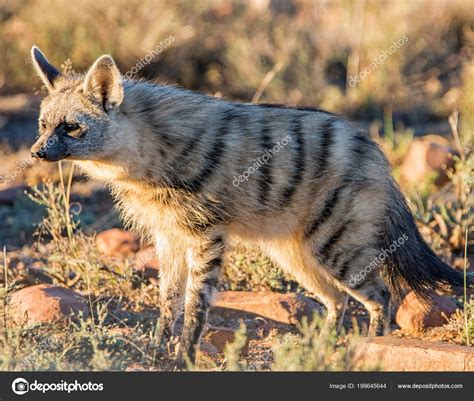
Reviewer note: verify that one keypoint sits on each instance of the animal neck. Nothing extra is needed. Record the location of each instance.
(167, 127)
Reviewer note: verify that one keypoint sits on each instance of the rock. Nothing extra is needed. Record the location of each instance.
(44, 303)
(393, 354)
(219, 337)
(146, 262)
(417, 314)
(283, 308)
(430, 153)
(136, 367)
(117, 243)
(10, 195)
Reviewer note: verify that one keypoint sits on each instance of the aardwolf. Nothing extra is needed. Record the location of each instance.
(191, 172)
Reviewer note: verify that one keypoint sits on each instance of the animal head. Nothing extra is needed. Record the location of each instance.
(79, 116)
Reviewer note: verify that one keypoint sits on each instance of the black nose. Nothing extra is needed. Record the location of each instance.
(40, 154)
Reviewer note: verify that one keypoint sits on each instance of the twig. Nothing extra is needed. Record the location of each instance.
(343, 312)
(266, 80)
(69, 184)
(354, 54)
(89, 298)
(453, 122)
(6, 291)
(466, 323)
(66, 192)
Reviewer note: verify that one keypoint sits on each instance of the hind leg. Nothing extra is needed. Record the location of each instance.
(374, 295)
(295, 260)
(349, 264)
(376, 299)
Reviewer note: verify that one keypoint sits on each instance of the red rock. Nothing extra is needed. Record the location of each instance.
(393, 354)
(117, 243)
(44, 303)
(430, 153)
(219, 337)
(417, 314)
(284, 308)
(146, 261)
(136, 367)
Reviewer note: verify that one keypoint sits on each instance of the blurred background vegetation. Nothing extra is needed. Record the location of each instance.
(227, 48)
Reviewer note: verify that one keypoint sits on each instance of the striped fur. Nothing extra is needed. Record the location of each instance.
(320, 199)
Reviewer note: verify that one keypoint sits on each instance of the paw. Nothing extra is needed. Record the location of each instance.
(166, 347)
(185, 358)
(179, 359)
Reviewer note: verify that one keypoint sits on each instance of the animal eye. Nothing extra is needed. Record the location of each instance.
(43, 125)
(71, 127)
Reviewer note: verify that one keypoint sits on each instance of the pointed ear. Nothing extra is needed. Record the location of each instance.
(47, 72)
(104, 82)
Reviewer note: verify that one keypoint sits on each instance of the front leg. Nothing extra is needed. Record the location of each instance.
(203, 273)
(172, 282)
(171, 300)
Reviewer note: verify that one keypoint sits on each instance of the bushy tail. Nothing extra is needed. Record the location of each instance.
(413, 264)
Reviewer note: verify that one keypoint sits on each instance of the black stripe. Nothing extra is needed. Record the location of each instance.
(326, 212)
(182, 159)
(360, 284)
(196, 332)
(336, 256)
(211, 282)
(214, 263)
(216, 242)
(327, 139)
(192, 143)
(325, 250)
(213, 157)
(265, 171)
(324, 153)
(215, 214)
(360, 148)
(343, 271)
(296, 132)
(147, 110)
(345, 266)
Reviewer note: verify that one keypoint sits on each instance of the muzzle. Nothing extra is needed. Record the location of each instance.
(51, 149)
